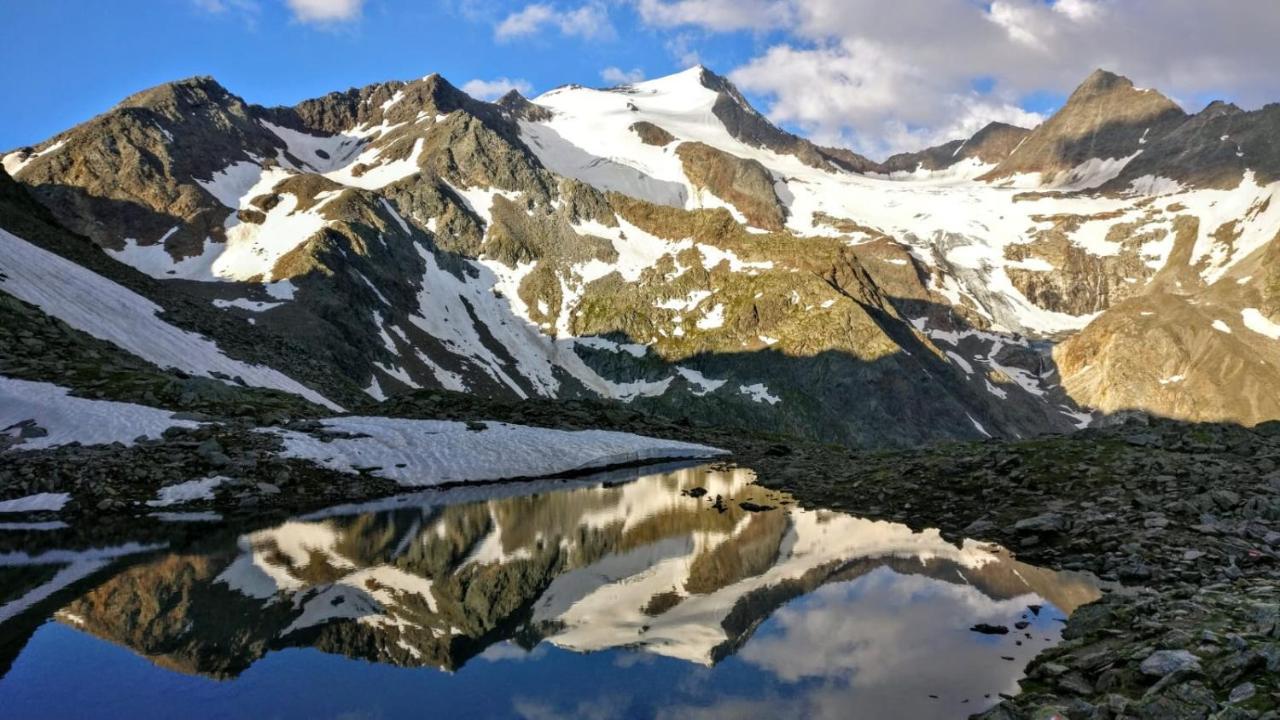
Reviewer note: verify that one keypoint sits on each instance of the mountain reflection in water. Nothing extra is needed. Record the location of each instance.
(628, 600)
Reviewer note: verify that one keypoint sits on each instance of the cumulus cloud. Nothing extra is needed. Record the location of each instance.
(618, 76)
(589, 21)
(861, 94)
(495, 88)
(325, 11)
(885, 77)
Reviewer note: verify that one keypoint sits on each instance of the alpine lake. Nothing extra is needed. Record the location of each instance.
(659, 592)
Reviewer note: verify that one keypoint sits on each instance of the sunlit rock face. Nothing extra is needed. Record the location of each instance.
(732, 580)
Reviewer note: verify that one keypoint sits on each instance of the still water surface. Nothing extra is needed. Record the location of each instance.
(594, 598)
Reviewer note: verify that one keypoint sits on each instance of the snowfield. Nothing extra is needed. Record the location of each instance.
(432, 452)
(93, 304)
(950, 222)
(66, 419)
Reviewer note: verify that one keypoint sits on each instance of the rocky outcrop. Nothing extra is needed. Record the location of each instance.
(745, 184)
(1060, 275)
(520, 108)
(652, 134)
(1198, 357)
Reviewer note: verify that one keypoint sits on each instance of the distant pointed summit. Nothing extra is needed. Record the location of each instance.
(1106, 117)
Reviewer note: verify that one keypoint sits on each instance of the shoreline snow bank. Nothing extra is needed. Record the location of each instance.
(418, 453)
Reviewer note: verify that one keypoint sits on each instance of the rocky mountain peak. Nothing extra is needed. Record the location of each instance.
(1119, 95)
(747, 124)
(520, 106)
(1220, 108)
(1101, 81)
(1105, 118)
(184, 96)
(990, 145)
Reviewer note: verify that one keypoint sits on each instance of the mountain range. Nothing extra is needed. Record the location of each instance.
(661, 244)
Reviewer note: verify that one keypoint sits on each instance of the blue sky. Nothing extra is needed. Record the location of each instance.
(878, 77)
(101, 52)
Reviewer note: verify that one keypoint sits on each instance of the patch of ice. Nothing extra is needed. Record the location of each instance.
(599, 343)
(15, 162)
(685, 303)
(246, 304)
(705, 385)
(713, 319)
(181, 517)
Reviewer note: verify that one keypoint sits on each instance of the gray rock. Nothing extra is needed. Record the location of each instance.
(1242, 692)
(1046, 523)
(1163, 662)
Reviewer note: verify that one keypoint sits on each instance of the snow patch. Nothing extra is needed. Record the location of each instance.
(189, 491)
(66, 419)
(704, 384)
(1259, 323)
(759, 393)
(40, 502)
(431, 452)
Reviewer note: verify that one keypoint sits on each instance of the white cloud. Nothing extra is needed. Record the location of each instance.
(589, 21)
(719, 15)
(1019, 22)
(496, 88)
(618, 76)
(858, 94)
(681, 47)
(886, 76)
(325, 11)
(1079, 10)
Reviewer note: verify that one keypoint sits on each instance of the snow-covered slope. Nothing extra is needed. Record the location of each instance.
(967, 234)
(91, 303)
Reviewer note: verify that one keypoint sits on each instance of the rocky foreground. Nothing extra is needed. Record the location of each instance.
(1182, 520)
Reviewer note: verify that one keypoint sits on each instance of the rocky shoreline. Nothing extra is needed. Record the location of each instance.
(1183, 517)
(1183, 521)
